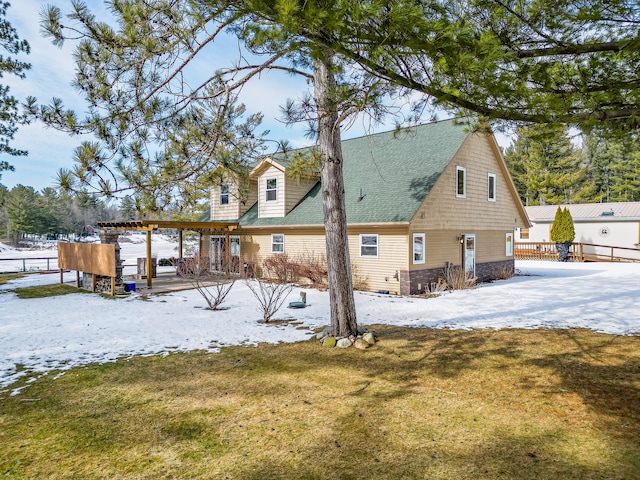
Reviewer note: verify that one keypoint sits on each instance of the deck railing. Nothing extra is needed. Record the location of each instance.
(578, 252)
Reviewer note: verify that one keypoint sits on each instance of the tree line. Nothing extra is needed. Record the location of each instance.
(552, 166)
(48, 213)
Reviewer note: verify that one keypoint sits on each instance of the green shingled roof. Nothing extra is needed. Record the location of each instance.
(394, 170)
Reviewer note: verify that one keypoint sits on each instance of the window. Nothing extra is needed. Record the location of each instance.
(509, 244)
(491, 187)
(369, 245)
(272, 189)
(524, 233)
(277, 243)
(461, 182)
(224, 194)
(418, 247)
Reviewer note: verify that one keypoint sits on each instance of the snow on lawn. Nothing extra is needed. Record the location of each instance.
(58, 333)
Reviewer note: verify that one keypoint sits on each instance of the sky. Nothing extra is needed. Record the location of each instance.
(73, 332)
(51, 76)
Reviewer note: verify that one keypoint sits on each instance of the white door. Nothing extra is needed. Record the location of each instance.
(470, 254)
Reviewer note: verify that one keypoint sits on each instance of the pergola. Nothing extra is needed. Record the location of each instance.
(151, 225)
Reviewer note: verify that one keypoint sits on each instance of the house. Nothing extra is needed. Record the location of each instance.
(417, 201)
(604, 224)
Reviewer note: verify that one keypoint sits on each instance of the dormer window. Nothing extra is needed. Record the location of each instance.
(272, 189)
(224, 194)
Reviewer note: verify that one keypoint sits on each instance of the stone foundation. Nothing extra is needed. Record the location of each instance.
(414, 282)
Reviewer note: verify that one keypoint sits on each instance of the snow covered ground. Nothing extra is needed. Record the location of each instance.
(58, 333)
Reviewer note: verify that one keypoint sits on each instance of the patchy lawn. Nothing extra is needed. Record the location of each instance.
(421, 403)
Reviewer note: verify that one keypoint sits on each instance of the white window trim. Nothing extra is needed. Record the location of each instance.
(464, 183)
(277, 243)
(495, 187)
(267, 190)
(224, 194)
(377, 244)
(424, 248)
(508, 239)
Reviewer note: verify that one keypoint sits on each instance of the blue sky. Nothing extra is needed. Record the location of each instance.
(51, 75)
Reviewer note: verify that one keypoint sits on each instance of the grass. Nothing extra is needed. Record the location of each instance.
(53, 290)
(436, 404)
(7, 277)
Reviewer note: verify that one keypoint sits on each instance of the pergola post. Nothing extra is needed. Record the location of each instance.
(227, 252)
(149, 265)
(180, 243)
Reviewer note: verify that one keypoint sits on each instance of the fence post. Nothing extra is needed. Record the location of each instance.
(581, 252)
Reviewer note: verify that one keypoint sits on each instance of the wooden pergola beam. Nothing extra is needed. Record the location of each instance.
(151, 225)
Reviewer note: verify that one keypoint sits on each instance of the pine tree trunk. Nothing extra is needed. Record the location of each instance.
(342, 304)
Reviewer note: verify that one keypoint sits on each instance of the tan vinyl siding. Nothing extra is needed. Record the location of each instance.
(442, 210)
(236, 206)
(225, 212)
(393, 251)
(393, 256)
(295, 190)
(298, 243)
(491, 246)
(443, 246)
(268, 209)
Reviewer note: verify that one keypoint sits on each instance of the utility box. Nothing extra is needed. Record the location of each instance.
(142, 267)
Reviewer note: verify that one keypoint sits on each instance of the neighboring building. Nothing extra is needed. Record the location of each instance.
(608, 224)
(416, 201)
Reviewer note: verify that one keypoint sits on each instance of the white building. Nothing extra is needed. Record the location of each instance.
(598, 224)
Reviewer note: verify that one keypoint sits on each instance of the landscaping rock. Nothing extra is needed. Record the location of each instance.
(329, 342)
(361, 344)
(344, 343)
(369, 338)
(362, 330)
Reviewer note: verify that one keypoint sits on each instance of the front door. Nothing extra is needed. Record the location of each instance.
(219, 254)
(470, 254)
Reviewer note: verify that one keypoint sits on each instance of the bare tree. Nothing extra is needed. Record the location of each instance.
(270, 293)
(213, 289)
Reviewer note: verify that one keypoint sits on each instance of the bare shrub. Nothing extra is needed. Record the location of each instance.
(312, 267)
(457, 278)
(503, 272)
(360, 281)
(280, 267)
(270, 296)
(434, 289)
(213, 289)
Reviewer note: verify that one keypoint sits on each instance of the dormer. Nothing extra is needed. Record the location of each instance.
(277, 193)
(232, 195)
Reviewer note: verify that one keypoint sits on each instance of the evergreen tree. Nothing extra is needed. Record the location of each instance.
(10, 117)
(567, 61)
(614, 165)
(546, 168)
(4, 220)
(562, 232)
(24, 212)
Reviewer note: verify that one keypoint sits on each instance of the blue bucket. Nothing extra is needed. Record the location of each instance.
(129, 286)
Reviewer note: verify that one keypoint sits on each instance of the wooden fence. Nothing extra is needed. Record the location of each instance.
(578, 252)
